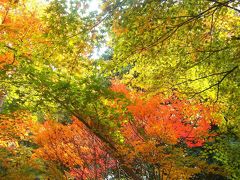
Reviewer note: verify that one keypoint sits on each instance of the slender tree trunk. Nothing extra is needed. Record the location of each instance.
(129, 171)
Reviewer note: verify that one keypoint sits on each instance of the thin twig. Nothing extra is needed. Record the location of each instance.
(216, 84)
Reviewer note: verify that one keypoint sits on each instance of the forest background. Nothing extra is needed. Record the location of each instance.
(139, 89)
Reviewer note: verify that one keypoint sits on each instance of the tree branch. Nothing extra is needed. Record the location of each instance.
(226, 5)
(171, 32)
(203, 77)
(216, 84)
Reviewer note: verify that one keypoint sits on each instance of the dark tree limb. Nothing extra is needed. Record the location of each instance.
(224, 4)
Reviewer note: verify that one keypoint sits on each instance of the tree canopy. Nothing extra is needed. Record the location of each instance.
(160, 103)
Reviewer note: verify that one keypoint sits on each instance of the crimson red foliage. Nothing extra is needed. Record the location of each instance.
(167, 120)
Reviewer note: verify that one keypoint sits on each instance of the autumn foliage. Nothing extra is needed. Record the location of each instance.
(168, 120)
(75, 147)
(158, 133)
(15, 127)
(136, 90)
(20, 28)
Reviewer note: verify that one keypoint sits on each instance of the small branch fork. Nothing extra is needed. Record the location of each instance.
(226, 73)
